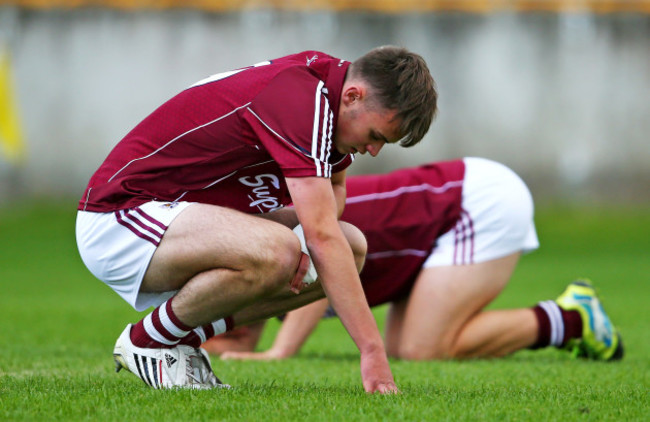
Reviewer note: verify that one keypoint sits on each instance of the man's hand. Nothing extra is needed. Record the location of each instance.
(297, 284)
(376, 374)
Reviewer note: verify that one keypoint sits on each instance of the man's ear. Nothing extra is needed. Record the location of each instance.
(352, 93)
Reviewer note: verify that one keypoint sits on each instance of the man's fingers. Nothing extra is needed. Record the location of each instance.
(247, 356)
(237, 355)
(383, 388)
(297, 289)
(389, 388)
(297, 284)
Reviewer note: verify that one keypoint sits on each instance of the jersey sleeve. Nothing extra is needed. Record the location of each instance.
(294, 122)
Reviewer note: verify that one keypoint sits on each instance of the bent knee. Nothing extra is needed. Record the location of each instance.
(357, 242)
(277, 261)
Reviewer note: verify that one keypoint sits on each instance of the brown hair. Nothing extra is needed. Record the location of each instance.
(400, 80)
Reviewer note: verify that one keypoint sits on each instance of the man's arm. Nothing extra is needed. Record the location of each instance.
(340, 193)
(317, 211)
(296, 328)
(287, 216)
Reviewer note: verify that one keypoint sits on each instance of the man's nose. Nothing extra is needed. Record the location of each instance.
(374, 148)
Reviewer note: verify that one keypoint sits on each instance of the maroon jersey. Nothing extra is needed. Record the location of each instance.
(402, 214)
(230, 139)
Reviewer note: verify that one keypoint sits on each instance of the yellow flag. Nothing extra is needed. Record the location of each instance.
(12, 147)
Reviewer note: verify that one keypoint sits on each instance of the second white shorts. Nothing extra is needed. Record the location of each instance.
(496, 218)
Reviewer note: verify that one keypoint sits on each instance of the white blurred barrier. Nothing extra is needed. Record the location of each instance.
(560, 98)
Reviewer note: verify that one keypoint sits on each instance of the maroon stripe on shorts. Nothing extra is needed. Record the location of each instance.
(149, 218)
(464, 240)
(135, 231)
(136, 222)
(458, 238)
(471, 236)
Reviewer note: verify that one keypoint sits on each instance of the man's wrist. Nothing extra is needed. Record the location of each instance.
(371, 348)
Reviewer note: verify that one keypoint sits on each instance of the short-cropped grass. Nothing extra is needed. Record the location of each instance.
(59, 325)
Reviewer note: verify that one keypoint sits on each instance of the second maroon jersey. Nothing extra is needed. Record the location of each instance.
(402, 213)
(230, 139)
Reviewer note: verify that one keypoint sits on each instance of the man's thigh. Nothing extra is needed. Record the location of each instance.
(205, 237)
(441, 302)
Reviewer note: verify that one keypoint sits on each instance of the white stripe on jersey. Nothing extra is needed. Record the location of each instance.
(223, 178)
(320, 154)
(180, 197)
(223, 75)
(276, 133)
(343, 158)
(329, 142)
(404, 190)
(388, 254)
(219, 180)
(314, 136)
(235, 172)
(177, 138)
(87, 196)
(324, 139)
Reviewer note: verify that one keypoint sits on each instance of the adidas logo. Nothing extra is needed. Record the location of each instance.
(170, 360)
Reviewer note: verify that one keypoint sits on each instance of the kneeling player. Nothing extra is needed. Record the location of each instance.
(443, 241)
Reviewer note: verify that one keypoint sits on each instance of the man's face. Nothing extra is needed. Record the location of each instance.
(364, 129)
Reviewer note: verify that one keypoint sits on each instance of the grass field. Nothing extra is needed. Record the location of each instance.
(59, 325)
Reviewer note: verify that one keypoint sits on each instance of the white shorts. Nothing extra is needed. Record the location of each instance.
(117, 247)
(496, 218)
